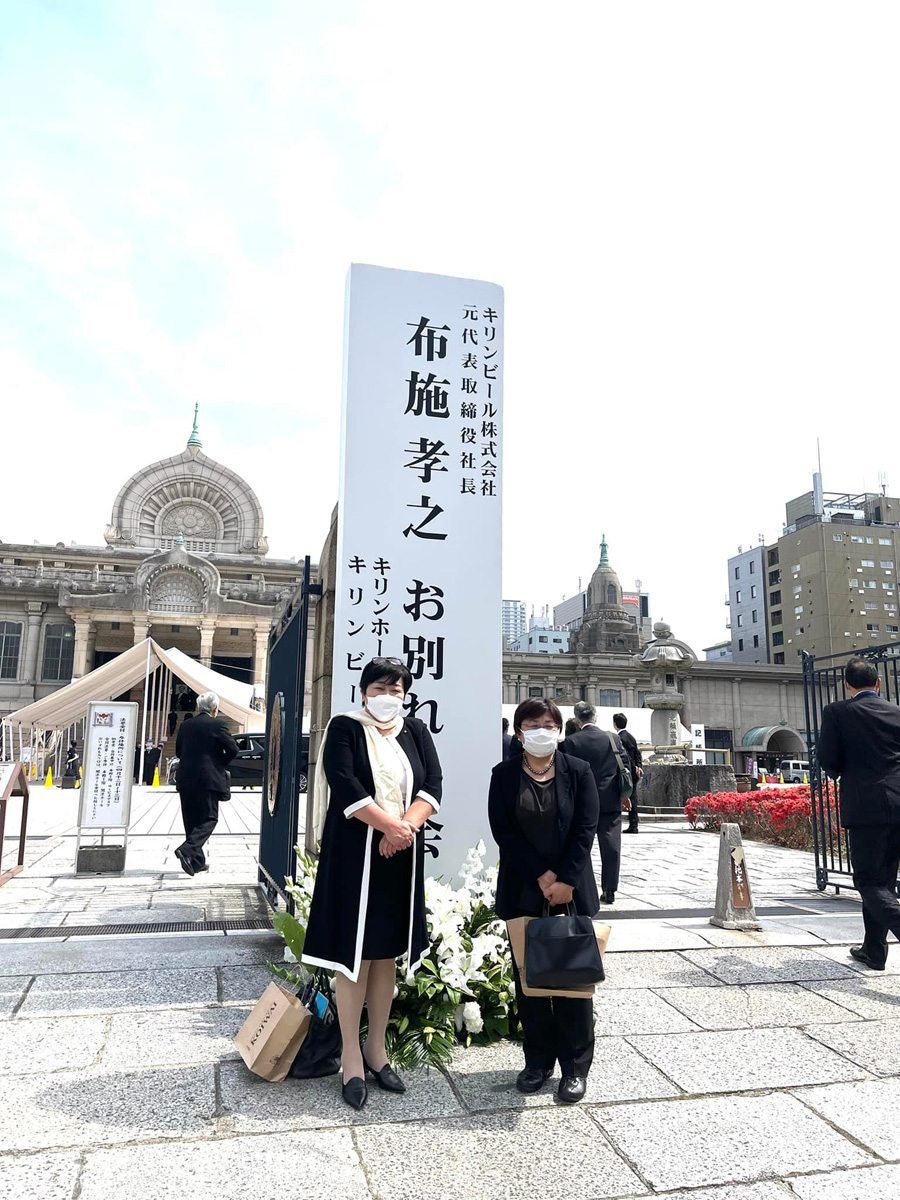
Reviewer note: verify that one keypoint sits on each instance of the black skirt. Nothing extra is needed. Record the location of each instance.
(387, 915)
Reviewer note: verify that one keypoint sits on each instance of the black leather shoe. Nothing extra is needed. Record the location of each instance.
(186, 865)
(608, 898)
(388, 1079)
(532, 1079)
(204, 867)
(630, 829)
(571, 1089)
(859, 953)
(355, 1092)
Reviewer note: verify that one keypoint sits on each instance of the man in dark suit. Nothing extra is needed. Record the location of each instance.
(507, 739)
(860, 742)
(636, 762)
(593, 746)
(204, 748)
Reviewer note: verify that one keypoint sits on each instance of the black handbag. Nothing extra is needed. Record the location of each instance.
(562, 952)
(623, 774)
(227, 794)
(320, 1051)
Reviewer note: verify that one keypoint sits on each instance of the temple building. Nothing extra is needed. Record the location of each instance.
(185, 561)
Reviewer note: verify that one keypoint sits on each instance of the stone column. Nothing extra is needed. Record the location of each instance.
(736, 711)
(141, 627)
(91, 647)
(631, 693)
(83, 624)
(260, 651)
(207, 633)
(28, 669)
(686, 692)
(591, 693)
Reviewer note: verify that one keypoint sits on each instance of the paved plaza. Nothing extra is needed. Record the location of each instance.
(729, 1066)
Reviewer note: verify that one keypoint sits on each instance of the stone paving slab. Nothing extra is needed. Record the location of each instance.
(179, 1036)
(622, 1011)
(644, 969)
(650, 935)
(37, 918)
(39, 1177)
(867, 1111)
(95, 1107)
(255, 1106)
(485, 1077)
(727, 1139)
(869, 996)
(120, 991)
(511, 1156)
(871, 1183)
(321, 1166)
(146, 952)
(874, 1045)
(12, 989)
(743, 1060)
(756, 1005)
(841, 954)
(739, 1191)
(772, 964)
(244, 984)
(774, 932)
(31, 1047)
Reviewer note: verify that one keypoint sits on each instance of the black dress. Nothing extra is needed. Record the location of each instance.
(366, 906)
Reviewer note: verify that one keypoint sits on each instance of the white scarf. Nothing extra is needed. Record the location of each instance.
(382, 760)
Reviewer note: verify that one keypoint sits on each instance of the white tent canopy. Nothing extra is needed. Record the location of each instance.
(638, 721)
(67, 706)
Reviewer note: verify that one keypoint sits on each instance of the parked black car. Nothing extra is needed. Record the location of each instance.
(249, 764)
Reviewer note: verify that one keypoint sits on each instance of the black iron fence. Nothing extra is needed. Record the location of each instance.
(823, 683)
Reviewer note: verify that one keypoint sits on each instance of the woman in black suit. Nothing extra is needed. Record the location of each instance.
(368, 907)
(543, 808)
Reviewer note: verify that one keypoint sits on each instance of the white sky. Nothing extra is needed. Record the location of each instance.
(693, 208)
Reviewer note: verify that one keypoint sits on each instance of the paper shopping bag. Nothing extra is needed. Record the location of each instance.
(516, 930)
(272, 1035)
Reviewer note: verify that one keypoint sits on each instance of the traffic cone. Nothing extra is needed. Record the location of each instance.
(805, 778)
(762, 777)
(77, 783)
(34, 770)
(781, 777)
(155, 782)
(48, 782)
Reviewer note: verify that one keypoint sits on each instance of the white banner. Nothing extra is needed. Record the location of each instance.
(419, 537)
(698, 740)
(108, 765)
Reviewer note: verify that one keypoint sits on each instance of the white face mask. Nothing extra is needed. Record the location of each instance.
(540, 743)
(384, 708)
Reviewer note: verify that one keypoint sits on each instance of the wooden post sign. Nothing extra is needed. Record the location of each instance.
(13, 782)
(734, 900)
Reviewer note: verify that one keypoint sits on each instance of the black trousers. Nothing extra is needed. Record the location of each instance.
(875, 855)
(200, 813)
(556, 1028)
(609, 838)
(633, 815)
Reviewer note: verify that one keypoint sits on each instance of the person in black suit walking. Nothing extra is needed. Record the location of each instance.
(595, 747)
(859, 742)
(542, 807)
(204, 748)
(637, 766)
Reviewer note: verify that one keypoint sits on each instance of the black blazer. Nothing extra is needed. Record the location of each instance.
(860, 742)
(204, 748)
(631, 749)
(350, 773)
(592, 745)
(520, 863)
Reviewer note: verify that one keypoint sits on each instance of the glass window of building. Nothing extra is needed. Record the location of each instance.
(756, 641)
(737, 596)
(10, 643)
(536, 692)
(775, 598)
(778, 639)
(867, 562)
(752, 591)
(798, 609)
(884, 542)
(752, 567)
(740, 644)
(887, 564)
(838, 537)
(737, 572)
(740, 620)
(609, 697)
(754, 615)
(855, 537)
(59, 653)
(779, 660)
(776, 617)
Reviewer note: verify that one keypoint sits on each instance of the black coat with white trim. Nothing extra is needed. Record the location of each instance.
(337, 918)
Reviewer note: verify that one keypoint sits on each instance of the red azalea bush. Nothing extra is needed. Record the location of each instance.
(782, 817)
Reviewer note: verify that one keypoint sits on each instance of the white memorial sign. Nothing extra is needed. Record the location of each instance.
(698, 740)
(419, 537)
(108, 765)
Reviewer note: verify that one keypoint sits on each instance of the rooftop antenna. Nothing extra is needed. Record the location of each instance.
(762, 539)
(818, 492)
(883, 482)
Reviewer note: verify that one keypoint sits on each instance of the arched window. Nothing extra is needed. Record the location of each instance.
(610, 593)
(59, 653)
(10, 642)
(176, 591)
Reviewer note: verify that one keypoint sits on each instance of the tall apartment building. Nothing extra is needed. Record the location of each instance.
(831, 578)
(747, 606)
(514, 621)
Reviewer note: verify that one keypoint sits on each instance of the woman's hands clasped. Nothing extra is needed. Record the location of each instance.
(554, 893)
(400, 835)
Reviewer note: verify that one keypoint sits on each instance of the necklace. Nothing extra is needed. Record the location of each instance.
(534, 771)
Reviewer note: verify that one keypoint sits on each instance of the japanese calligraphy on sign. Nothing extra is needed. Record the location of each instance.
(419, 542)
(105, 797)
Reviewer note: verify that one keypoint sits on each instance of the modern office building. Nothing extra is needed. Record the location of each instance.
(542, 640)
(720, 652)
(747, 606)
(515, 622)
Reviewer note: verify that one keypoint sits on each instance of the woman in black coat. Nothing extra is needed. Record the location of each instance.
(368, 907)
(543, 808)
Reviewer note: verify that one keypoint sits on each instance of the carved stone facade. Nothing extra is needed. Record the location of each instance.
(185, 561)
(606, 627)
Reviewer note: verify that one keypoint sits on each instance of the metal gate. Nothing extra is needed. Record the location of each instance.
(286, 757)
(823, 682)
